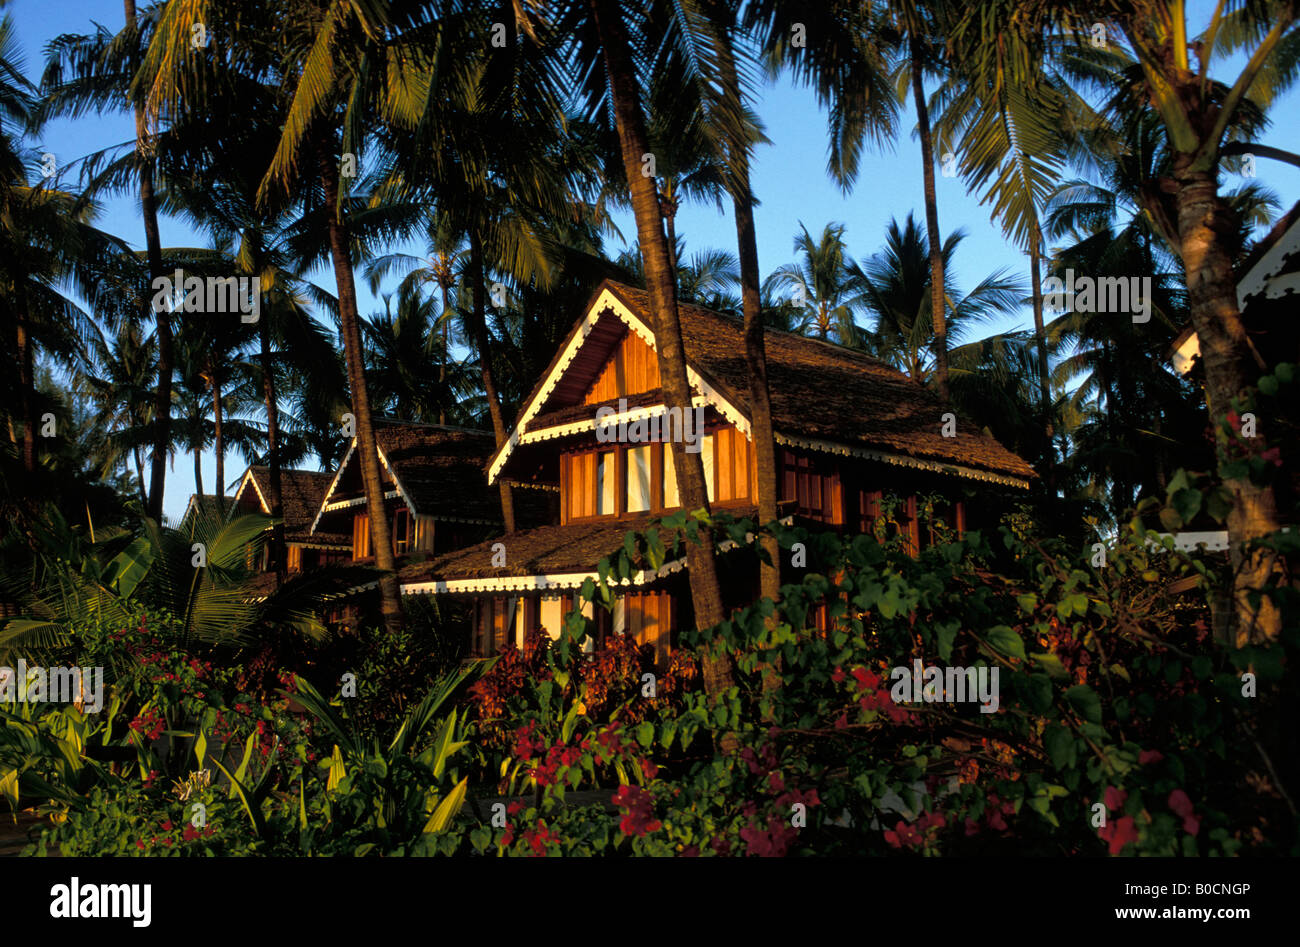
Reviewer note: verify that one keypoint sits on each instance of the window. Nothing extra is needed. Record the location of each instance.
(606, 481)
(638, 479)
(403, 531)
(671, 498)
(707, 457)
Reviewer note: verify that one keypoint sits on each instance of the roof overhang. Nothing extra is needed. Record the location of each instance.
(900, 460)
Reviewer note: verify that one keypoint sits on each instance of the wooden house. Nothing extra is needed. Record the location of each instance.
(850, 432)
(301, 495)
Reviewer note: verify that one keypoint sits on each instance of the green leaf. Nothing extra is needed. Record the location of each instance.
(946, 634)
(1085, 700)
(1050, 663)
(645, 734)
(448, 808)
(1059, 743)
(1006, 641)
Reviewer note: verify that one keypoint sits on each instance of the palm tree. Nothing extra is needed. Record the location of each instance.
(440, 268)
(327, 54)
(84, 72)
(820, 285)
(894, 286)
(1171, 75)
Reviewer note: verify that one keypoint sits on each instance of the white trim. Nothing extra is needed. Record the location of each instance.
(833, 447)
(355, 501)
(535, 583)
(610, 420)
(1264, 272)
(247, 478)
(324, 503)
(311, 545)
(397, 483)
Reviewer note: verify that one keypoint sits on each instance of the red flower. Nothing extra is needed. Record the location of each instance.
(1119, 833)
(1114, 799)
(190, 833)
(1182, 806)
(838, 675)
(1150, 756)
(639, 805)
(167, 825)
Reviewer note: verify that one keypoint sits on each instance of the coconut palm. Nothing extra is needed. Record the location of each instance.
(1171, 73)
(820, 286)
(894, 287)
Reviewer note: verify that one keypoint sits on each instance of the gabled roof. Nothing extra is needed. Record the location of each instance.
(824, 397)
(209, 501)
(437, 470)
(301, 494)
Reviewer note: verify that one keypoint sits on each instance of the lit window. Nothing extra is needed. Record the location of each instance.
(706, 455)
(605, 485)
(638, 479)
(670, 480)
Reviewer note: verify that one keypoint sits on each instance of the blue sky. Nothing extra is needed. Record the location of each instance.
(789, 178)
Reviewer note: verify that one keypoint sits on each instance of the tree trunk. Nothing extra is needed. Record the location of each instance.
(706, 593)
(162, 320)
(1203, 223)
(760, 412)
(276, 549)
(198, 474)
(26, 392)
(367, 450)
(218, 445)
(1040, 340)
(937, 301)
(669, 210)
(446, 353)
(139, 478)
(483, 342)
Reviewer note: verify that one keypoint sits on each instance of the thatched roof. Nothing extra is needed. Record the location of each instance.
(301, 493)
(573, 549)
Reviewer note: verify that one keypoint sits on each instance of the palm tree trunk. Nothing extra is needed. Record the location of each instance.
(219, 445)
(760, 412)
(26, 393)
(198, 474)
(670, 222)
(706, 593)
(162, 320)
(1226, 352)
(139, 478)
(483, 343)
(367, 450)
(446, 353)
(937, 302)
(276, 551)
(1040, 340)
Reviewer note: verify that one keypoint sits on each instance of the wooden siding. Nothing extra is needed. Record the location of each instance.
(631, 369)
(360, 536)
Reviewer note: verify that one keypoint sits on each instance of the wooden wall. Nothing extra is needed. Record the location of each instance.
(360, 535)
(632, 369)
